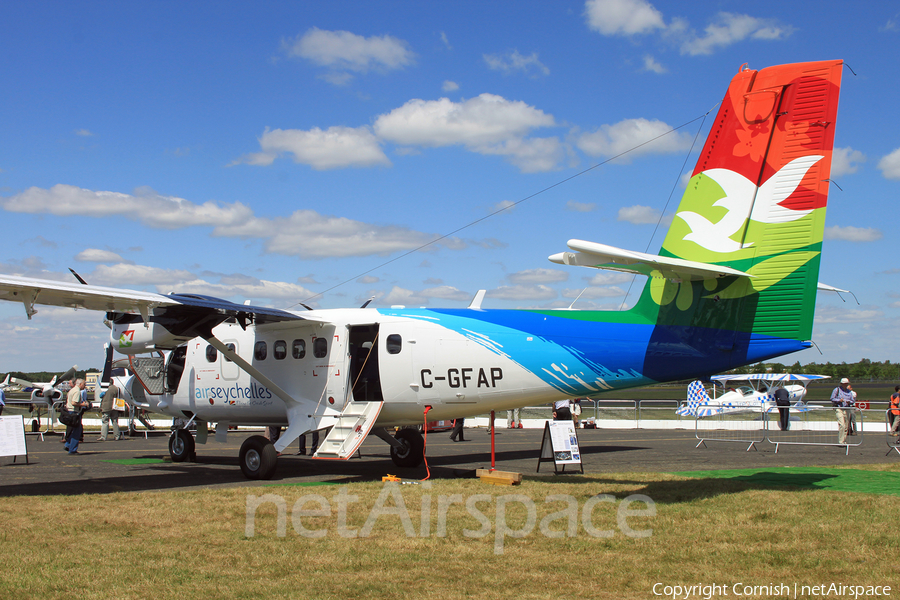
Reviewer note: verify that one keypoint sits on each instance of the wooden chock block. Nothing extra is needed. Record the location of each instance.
(498, 477)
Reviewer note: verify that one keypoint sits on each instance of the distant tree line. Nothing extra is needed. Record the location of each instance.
(864, 370)
(44, 376)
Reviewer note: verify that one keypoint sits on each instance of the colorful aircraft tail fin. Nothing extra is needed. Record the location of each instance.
(696, 397)
(735, 280)
(756, 200)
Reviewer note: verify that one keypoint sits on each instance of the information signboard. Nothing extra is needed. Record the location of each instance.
(12, 437)
(560, 444)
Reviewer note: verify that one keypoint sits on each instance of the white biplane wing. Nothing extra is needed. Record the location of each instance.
(771, 377)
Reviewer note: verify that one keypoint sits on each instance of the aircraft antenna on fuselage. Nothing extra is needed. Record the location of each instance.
(477, 300)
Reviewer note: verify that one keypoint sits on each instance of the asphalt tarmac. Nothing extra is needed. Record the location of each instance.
(136, 464)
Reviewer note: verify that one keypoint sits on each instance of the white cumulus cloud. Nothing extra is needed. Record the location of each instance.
(639, 215)
(486, 119)
(97, 255)
(332, 148)
(846, 161)
(650, 64)
(890, 165)
(303, 233)
(635, 136)
(538, 276)
(145, 205)
(513, 62)
(580, 206)
(523, 292)
(729, 28)
(343, 52)
(622, 17)
(853, 234)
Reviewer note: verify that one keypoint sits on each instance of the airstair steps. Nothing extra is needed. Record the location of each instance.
(352, 427)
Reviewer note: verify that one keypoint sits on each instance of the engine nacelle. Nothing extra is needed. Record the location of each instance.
(48, 394)
(136, 338)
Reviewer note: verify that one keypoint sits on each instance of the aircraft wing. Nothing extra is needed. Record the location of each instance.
(30, 292)
(601, 256)
(767, 377)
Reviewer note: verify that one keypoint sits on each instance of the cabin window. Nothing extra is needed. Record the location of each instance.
(394, 344)
(211, 354)
(260, 351)
(279, 349)
(320, 348)
(298, 348)
(231, 347)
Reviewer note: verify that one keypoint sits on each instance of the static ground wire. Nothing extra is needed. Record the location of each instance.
(505, 208)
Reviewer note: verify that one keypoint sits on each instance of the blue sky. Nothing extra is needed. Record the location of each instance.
(301, 152)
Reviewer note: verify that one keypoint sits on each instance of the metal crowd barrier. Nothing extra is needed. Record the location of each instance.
(656, 410)
(817, 426)
(731, 426)
(892, 438)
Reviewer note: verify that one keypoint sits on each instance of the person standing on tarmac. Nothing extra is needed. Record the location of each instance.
(458, 431)
(75, 403)
(109, 413)
(561, 411)
(841, 400)
(782, 399)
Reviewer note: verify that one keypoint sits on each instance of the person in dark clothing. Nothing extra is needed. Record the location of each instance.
(315, 443)
(782, 399)
(561, 411)
(457, 431)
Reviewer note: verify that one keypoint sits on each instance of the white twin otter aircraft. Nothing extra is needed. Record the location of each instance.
(734, 283)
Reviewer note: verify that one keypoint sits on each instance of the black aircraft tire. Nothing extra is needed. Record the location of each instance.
(181, 445)
(258, 458)
(413, 452)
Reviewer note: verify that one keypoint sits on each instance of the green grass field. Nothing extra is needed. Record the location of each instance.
(458, 538)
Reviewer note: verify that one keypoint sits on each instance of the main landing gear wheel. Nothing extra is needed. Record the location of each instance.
(412, 450)
(181, 445)
(258, 458)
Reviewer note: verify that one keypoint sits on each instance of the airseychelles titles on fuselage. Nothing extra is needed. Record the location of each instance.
(252, 395)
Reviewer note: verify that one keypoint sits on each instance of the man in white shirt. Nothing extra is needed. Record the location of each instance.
(842, 400)
(561, 411)
(75, 403)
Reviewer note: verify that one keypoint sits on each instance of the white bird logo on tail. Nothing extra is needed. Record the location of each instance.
(740, 195)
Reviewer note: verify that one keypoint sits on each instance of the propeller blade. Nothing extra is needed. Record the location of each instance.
(78, 277)
(68, 374)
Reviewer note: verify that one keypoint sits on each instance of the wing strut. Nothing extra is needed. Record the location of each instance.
(299, 420)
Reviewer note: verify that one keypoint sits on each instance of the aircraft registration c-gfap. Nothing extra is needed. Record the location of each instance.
(734, 283)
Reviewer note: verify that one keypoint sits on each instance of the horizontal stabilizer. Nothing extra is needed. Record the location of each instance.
(601, 256)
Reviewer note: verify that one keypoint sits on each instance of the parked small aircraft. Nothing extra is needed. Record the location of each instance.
(5, 384)
(757, 394)
(735, 283)
(45, 393)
